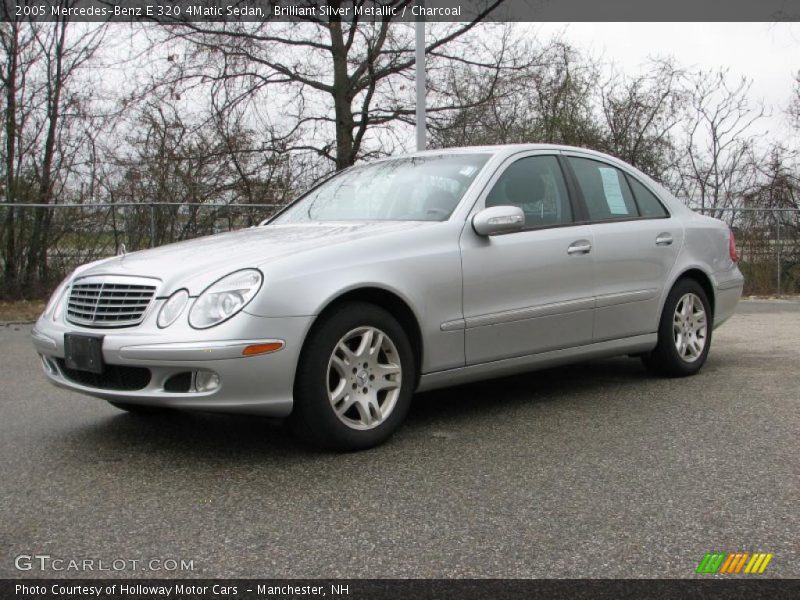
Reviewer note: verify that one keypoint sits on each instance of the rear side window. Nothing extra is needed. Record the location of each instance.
(605, 190)
(535, 184)
(649, 205)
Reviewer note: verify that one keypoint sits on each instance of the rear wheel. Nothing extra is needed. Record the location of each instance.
(354, 380)
(684, 332)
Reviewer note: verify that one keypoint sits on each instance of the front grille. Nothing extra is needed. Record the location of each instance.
(114, 377)
(109, 301)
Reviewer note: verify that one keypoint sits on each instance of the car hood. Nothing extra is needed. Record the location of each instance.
(195, 264)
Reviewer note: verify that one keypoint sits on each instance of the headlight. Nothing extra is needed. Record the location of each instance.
(225, 298)
(56, 303)
(172, 308)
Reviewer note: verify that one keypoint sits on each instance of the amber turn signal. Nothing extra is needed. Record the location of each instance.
(254, 349)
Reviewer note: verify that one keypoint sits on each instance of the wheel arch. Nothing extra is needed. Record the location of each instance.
(662, 359)
(388, 300)
(703, 280)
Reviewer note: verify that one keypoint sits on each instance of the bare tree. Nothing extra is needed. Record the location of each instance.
(41, 62)
(336, 80)
(183, 163)
(561, 97)
(772, 226)
(719, 147)
(545, 97)
(640, 115)
(15, 41)
(794, 106)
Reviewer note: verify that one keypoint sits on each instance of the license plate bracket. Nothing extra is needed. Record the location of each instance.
(84, 352)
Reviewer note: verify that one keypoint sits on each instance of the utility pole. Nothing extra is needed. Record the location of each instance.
(420, 78)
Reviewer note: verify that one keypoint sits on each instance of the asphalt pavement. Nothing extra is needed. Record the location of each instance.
(593, 470)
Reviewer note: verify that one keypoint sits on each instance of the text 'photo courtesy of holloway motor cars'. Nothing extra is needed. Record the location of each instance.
(401, 275)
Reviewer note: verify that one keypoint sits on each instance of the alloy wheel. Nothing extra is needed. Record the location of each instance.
(364, 378)
(689, 327)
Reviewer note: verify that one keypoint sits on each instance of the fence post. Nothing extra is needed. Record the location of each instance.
(778, 241)
(152, 225)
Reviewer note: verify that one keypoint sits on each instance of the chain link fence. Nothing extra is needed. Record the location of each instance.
(768, 240)
(768, 244)
(74, 234)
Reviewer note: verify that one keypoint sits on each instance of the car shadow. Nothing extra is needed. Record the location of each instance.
(535, 387)
(196, 434)
(211, 436)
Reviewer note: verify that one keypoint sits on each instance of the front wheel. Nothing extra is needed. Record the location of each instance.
(684, 332)
(354, 380)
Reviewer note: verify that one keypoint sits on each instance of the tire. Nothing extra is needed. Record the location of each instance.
(139, 409)
(368, 383)
(683, 344)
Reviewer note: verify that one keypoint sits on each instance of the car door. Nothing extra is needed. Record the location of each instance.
(636, 243)
(529, 291)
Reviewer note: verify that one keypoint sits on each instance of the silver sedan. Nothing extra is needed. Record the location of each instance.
(406, 274)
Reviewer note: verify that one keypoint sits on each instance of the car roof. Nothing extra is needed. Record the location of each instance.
(502, 149)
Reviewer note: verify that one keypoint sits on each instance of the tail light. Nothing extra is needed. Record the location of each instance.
(732, 246)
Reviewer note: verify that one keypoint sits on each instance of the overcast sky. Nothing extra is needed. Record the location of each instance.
(768, 53)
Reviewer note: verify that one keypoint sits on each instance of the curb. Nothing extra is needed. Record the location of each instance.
(10, 323)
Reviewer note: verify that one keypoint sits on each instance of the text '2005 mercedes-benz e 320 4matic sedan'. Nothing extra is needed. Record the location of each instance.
(405, 274)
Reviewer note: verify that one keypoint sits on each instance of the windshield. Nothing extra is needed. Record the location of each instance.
(422, 188)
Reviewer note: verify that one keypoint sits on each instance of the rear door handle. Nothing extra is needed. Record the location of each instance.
(664, 239)
(580, 247)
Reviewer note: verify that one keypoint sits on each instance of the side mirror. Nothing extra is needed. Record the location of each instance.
(497, 220)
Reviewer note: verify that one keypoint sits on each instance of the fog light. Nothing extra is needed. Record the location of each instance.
(206, 381)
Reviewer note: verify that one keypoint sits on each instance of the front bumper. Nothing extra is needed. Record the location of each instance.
(260, 384)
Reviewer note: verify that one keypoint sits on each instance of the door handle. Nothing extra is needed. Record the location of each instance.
(664, 239)
(580, 247)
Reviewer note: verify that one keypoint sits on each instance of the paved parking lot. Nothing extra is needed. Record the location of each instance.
(595, 470)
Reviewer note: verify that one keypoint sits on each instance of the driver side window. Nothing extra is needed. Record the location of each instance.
(536, 185)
